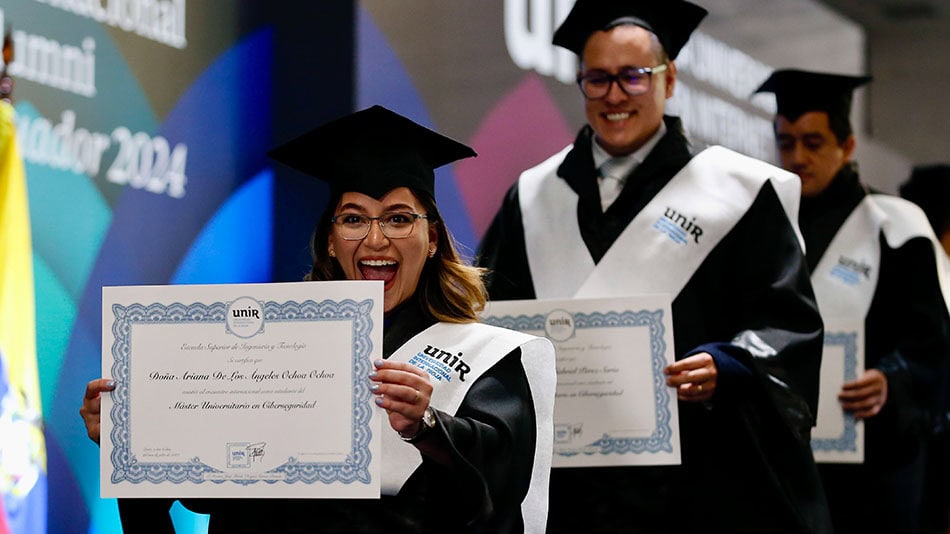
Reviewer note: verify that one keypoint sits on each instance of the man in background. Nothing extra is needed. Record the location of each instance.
(592, 221)
(872, 259)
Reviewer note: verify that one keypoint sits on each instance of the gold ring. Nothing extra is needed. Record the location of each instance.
(699, 388)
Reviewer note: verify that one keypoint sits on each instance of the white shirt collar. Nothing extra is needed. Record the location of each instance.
(626, 164)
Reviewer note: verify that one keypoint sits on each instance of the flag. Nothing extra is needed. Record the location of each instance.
(4, 528)
(22, 447)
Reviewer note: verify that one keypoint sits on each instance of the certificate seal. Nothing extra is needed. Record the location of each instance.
(238, 456)
(559, 325)
(244, 317)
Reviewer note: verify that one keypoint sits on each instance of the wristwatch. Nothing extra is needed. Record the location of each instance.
(427, 424)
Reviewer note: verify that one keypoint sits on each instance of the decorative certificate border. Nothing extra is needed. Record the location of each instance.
(355, 468)
(661, 440)
(848, 440)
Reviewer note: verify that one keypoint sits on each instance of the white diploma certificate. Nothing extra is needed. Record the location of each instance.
(612, 406)
(839, 437)
(247, 390)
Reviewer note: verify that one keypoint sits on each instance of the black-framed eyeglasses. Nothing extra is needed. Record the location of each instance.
(633, 81)
(395, 225)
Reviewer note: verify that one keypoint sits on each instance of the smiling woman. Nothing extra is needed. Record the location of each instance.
(469, 406)
(394, 254)
(381, 221)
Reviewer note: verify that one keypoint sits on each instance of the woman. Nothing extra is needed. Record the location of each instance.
(467, 455)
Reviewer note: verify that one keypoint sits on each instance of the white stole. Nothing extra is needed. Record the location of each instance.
(846, 277)
(476, 348)
(666, 242)
(905, 221)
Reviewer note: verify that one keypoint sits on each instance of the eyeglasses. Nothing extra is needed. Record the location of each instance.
(396, 225)
(633, 81)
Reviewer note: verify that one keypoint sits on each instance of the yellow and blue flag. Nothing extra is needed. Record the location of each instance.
(22, 446)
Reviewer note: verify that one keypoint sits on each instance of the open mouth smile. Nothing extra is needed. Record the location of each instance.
(379, 269)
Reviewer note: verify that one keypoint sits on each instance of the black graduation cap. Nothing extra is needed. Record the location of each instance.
(671, 20)
(372, 151)
(798, 92)
(929, 188)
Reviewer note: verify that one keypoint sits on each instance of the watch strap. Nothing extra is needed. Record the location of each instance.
(426, 424)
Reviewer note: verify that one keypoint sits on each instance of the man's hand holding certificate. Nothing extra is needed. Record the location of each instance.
(256, 390)
(613, 406)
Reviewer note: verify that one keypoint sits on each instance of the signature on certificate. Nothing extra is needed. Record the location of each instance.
(255, 451)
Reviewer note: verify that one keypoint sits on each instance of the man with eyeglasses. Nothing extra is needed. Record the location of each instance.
(874, 260)
(630, 209)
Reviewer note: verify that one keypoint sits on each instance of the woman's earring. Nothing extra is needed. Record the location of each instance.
(332, 254)
(431, 252)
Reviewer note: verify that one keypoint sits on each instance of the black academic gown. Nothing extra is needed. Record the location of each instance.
(492, 441)
(907, 337)
(746, 466)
